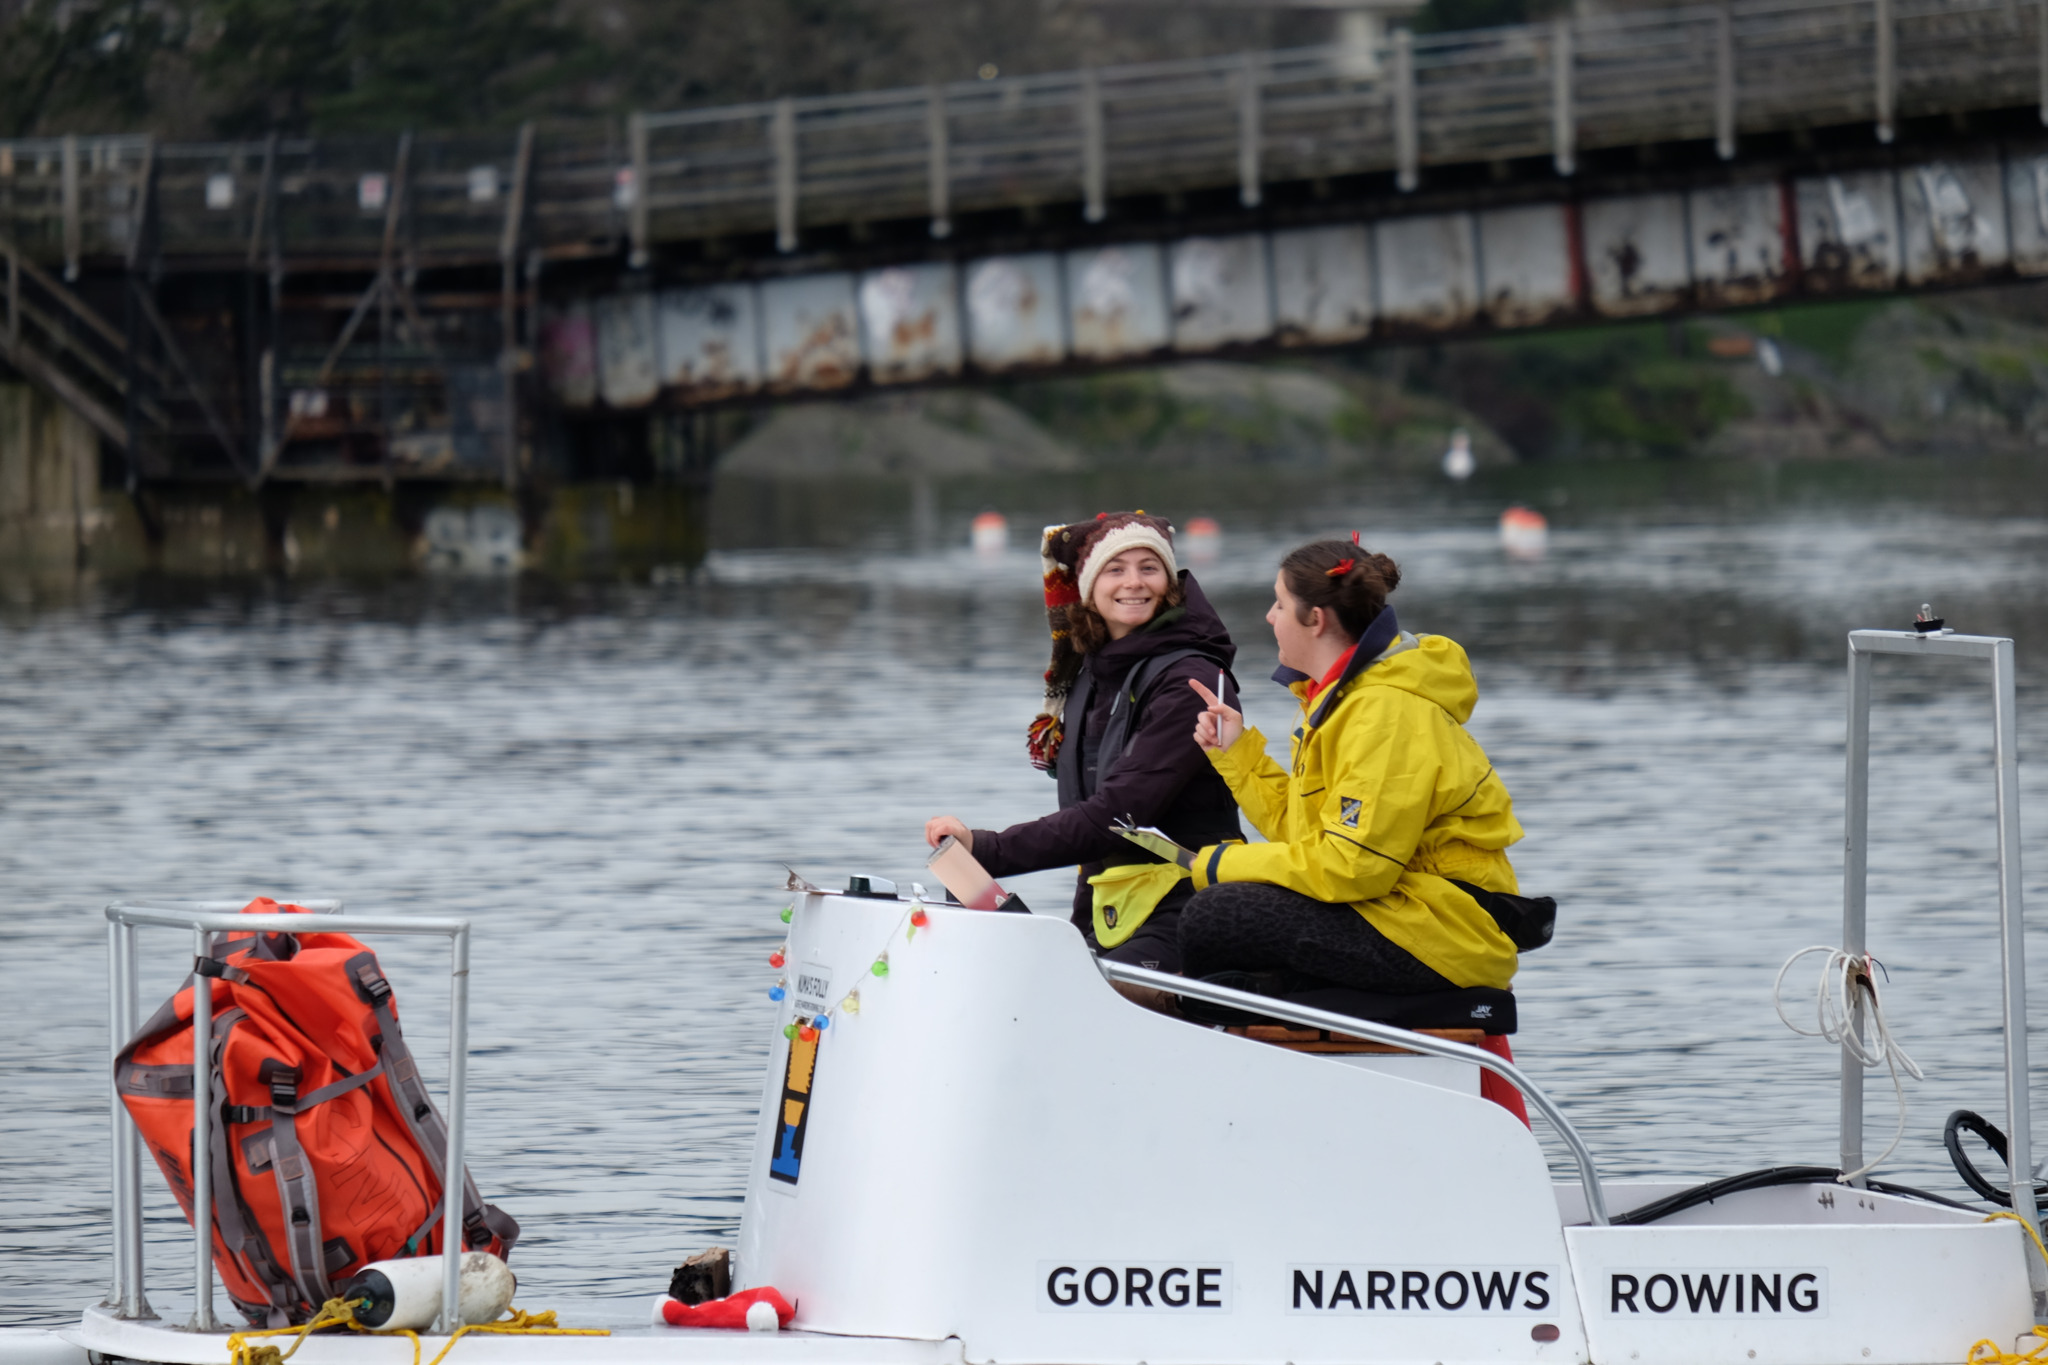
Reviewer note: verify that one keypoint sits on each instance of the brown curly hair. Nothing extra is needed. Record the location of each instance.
(1355, 596)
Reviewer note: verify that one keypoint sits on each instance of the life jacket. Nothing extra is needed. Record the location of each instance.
(327, 1151)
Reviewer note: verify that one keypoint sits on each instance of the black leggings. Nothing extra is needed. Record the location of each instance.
(1250, 926)
(1155, 944)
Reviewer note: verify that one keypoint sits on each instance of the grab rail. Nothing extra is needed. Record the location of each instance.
(205, 919)
(1596, 1198)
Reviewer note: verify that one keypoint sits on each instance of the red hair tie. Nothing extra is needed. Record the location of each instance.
(1354, 538)
(1340, 568)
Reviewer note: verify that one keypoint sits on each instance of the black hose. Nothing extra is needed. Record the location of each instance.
(1952, 1138)
(1758, 1180)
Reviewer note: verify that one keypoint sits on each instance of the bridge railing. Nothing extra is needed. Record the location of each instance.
(1557, 89)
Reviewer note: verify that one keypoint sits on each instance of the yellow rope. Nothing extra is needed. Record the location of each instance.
(519, 1324)
(2032, 1234)
(333, 1313)
(1989, 1352)
(342, 1313)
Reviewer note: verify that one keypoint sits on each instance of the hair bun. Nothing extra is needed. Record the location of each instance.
(1388, 570)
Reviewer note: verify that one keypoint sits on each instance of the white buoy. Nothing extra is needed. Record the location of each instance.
(761, 1318)
(407, 1293)
(991, 535)
(1524, 534)
(1459, 462)
(1202, 538)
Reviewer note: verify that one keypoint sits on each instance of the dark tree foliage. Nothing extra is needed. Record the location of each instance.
(382, 65)
(82, 63)
(192, 68)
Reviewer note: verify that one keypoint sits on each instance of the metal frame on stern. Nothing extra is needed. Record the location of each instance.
(1864, 647)
(206, 919)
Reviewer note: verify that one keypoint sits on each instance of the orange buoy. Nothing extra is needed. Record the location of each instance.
(1524, 534)
(991, 535)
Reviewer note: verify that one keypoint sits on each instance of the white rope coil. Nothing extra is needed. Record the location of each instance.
(1842, 976)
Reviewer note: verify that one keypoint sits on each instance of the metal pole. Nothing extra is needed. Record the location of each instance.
(1724, 84)
(508, 303)
(1887, 68)
(1250, 133)
(2012, 928)
(458, 1094)
(1094, 176)
(1564, 125)
(1855, 876)
(136, 1302)
(636, 209)
(73, 245)
(939, 161)
(117, 1035)
(202, 1140)
(1406, 152)
(782, 137)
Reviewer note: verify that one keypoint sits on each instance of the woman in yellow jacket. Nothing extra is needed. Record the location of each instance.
(1388, 822)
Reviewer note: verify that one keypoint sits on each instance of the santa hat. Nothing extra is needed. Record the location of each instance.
(1073, 557)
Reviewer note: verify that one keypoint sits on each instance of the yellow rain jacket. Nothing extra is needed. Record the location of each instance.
(1387, 798)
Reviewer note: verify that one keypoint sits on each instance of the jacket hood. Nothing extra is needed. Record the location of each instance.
(1192, 625)
(1433, 667)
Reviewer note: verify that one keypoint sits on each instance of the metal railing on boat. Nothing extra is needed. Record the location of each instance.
(205, 919)
(1596, 1198)
(1864, 646)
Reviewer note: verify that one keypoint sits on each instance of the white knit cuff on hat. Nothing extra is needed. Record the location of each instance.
(1130, 536)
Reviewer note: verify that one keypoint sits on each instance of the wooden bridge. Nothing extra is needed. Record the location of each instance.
(448, 306)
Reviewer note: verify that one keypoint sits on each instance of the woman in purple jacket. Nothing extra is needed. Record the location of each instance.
(1130, 630)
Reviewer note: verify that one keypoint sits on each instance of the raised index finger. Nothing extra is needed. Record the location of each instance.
(1207, 695)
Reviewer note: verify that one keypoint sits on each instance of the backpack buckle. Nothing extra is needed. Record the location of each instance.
(374, 985)
(284, 1085)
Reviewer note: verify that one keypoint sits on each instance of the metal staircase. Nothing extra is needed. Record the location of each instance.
(132, 383)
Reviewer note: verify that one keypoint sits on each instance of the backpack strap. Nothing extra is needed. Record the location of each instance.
(298, 1192)
(239, 1230)
(480, 1221)
(1123, 711)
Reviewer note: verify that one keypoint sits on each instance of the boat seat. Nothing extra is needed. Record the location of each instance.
(1480, 1009)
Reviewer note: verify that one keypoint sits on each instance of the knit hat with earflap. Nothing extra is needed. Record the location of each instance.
(1073, 557)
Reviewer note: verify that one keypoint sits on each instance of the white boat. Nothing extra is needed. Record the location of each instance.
(986, 1154)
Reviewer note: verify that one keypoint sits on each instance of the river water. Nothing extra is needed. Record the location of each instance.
(608, 776)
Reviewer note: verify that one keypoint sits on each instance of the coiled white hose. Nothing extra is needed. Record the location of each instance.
(1841, 977)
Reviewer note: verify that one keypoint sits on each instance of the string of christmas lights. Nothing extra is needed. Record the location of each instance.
(913, 919)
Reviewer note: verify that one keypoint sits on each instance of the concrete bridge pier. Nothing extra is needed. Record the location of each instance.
(50, 505)
(61, 524)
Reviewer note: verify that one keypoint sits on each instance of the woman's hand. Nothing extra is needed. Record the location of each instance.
(1219, 726)
(939, 826)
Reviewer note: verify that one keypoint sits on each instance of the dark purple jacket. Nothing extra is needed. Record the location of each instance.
(1163, 779)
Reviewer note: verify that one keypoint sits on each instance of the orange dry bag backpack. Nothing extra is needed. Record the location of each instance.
(326, 1150)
